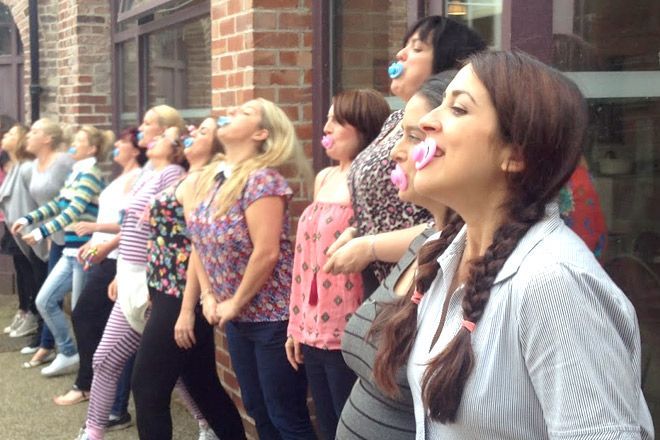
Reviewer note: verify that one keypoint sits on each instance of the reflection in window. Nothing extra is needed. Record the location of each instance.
(610, 49)
(128, 83)
(179, 72)
(484, 16)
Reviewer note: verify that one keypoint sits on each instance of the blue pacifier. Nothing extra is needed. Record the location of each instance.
(223, 120)
(395, 70)
(71, 150)
(115, 153)
(140, 136)
(187, 142)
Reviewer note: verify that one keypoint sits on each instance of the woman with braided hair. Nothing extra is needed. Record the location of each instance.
(511, 329)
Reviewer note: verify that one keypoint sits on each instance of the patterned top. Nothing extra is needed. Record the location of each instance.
(375, 200)
(224, 246)
(321, 303)
(76, 201)
(368, 413)
(557, 349)
(168, 248)
(580, 208)
(135, 228)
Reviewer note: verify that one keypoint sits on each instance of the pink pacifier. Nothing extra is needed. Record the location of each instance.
(151, 144)
(327, 141)
(398, 178)
(423, 153)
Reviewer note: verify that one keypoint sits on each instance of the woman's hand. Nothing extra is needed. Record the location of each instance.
(352, 257)
(208, 308)
(346, 236)
(184, 329)
(112, 290)
(84, 228)
(227, 310)
(29, 239)
(18, 226)
(293, 352)
(82, 252)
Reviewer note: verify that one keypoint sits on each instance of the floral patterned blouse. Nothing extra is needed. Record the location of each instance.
(224, 247)
(168, 248)
(580, 209)
(375, 200)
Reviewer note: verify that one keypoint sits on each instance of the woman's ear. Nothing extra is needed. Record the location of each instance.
(512, 160)
(260, 135)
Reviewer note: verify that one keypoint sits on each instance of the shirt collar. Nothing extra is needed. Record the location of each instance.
(84, 164)
(533, 237)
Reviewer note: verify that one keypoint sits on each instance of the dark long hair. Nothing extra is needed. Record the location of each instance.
(452, 41)
(131, 134)
(543, 116)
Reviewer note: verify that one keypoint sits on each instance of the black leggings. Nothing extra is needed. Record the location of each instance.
(30, 275)
(160, 362)
(90, 316)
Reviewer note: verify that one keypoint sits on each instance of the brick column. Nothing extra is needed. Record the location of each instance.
(83, 62)
(263, 48)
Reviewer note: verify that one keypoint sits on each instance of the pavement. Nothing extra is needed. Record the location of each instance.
(27, 410)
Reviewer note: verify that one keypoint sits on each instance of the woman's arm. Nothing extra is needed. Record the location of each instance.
(265, 237)
(184, 329)
(87, 228)
(353, 256)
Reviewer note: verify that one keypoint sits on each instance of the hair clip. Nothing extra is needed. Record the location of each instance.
(398, 178)
(423, 153)
(395, 70)
(327, 141)
(417, 297)
(469, 325)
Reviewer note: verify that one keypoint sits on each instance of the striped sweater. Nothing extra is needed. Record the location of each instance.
(76, 201)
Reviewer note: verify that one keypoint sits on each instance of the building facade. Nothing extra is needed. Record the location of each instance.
(106, 62)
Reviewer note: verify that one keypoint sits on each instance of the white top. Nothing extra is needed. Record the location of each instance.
(111, 201)
(557, 350)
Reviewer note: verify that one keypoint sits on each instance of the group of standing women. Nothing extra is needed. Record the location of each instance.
(485, 327)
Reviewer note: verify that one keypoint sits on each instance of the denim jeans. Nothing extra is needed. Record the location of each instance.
(66, 276)
(331, 382)
(44, 337)
(274, 394)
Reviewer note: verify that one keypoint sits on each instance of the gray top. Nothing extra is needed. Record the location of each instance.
(45, 185)
(557, 350)
(368, 413)
(15, 201)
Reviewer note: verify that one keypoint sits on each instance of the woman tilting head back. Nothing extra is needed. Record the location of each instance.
(506, 275)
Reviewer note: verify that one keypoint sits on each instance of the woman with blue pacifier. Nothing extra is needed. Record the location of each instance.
(432, 45)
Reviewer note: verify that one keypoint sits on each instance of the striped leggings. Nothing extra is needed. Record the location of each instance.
(119, 342)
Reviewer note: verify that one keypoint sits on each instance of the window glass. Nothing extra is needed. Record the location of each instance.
(6, 29)
(484, 16)
(128, 83)
(179, 72)
(366, 39)
(610, 48)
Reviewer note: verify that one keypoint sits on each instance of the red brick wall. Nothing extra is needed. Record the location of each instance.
(263, 48)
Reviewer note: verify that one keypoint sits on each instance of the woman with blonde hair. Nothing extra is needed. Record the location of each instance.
(30, 262)
(240, 236)
(76, 201)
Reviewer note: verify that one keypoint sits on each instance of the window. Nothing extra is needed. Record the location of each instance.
(484, 16)
(163, 56)
(11, 69)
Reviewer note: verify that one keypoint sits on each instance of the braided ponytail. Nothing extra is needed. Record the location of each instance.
(445, 377)
(395, 327)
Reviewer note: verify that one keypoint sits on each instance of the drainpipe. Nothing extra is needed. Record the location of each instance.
(35, 88)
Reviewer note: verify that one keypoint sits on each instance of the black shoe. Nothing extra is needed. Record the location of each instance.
(123, 422)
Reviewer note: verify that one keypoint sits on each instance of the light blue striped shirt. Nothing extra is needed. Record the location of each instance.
(557, 351)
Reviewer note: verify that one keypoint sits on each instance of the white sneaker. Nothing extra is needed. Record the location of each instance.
(206, 433)
(29, 350)
(61, 365)
(28, 326)
(82, 435)
(15, 323)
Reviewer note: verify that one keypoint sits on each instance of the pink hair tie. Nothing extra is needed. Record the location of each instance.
(417, 297)
(469, 325)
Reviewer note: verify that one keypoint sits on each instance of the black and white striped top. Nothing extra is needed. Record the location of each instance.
(368, 414)
(557, 350)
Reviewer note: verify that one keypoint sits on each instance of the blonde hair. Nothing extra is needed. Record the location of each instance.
(279, 148)
(21, 152)
(52, 129)
(168, 117)
(101, 139)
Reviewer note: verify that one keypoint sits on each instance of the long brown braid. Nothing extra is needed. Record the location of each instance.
(543, 116)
